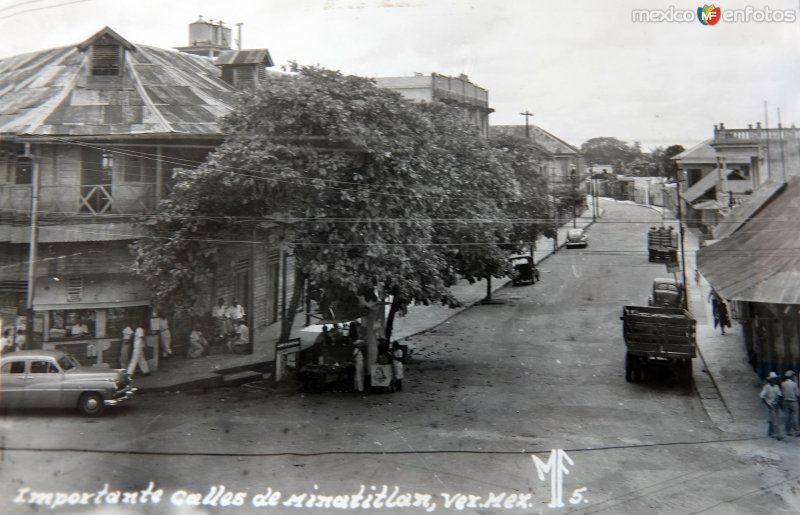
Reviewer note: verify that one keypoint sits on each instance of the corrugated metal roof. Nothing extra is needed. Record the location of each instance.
(159, 91)
(742, 213)
(255, 56)
(761, 261)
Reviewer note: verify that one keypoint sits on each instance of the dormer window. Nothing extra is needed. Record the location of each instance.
(106, 59)
(244, 68)
(106, 52)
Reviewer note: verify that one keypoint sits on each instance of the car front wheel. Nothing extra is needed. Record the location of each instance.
(90, 404)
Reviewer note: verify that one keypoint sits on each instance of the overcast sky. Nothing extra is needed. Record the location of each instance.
(583, 67)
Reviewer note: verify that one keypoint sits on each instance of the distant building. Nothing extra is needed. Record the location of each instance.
(731, 175)
(457, 91)
(564, 158)
(207, 39)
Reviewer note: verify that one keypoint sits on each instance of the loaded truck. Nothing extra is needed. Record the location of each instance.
(662, 245)
(656, 336)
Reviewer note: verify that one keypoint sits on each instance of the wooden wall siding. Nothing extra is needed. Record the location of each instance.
(84, 258)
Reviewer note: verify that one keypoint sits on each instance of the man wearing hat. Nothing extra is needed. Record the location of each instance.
(771, 396)
(789, 391)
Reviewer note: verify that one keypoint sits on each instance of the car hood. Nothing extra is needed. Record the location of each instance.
(97, 373)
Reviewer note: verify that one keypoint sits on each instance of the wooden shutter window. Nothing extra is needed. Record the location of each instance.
(106, 59)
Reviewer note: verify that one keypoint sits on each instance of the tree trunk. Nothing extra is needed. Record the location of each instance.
(488, 288)
(289, 314)
(393, 309)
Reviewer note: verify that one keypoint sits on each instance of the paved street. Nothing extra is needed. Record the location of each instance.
(488, 389)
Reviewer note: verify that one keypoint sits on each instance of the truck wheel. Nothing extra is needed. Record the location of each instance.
(687, 370)
(90, 404)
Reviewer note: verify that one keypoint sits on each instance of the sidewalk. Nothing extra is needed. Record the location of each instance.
(179, 373)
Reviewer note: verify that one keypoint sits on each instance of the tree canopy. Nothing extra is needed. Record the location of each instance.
(375, 196)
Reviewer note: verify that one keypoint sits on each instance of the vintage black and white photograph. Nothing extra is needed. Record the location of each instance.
(399, 256)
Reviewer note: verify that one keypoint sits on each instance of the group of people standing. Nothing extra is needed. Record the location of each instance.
(12, 341)
(229, 324)
(387, 355)
(781, 399)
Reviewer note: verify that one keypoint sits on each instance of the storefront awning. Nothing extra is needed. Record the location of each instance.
(90, 292)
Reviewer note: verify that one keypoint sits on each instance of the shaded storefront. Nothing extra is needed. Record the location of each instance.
(757, 270)
(85, 314)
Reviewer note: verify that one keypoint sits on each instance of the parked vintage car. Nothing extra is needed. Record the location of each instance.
(576, 238)
(53, 379)
(524, 269)
(667, 293)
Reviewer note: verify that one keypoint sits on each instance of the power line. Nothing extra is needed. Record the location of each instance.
(7, 16)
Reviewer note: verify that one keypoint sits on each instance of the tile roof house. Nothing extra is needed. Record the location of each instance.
(563, 157)
(90, 134)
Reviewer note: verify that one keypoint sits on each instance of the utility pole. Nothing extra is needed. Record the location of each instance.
(574, 200)
(527, 115)
(34, 243)
(683, 253)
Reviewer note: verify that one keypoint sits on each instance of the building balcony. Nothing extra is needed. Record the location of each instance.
(87, 200)
(751, 135)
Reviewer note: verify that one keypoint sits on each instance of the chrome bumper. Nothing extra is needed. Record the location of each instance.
(125, 397)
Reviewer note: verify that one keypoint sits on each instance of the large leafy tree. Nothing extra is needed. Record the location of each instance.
(529, 209)
(353, 178)
(610, 151)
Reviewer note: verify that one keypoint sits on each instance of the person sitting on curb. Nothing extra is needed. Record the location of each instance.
(242, 336)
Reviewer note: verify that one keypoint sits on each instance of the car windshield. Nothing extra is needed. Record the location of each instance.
(574, 233)
(67, 362)
(666, 287)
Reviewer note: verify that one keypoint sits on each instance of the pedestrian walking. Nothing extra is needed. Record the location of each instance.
(722, 315)
(126, 345)
(164, 337)
(771, 396)
(138, 358)
(790, 394)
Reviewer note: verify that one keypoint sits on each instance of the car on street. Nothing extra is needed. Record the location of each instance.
(576, 238)
(54, 379)
(523, 269)
(667, 293)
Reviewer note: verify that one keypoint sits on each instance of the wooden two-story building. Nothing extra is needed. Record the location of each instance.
(89, 136)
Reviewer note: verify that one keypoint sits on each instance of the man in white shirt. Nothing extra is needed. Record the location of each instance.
(236, 312)
(790, 392)
(138, 358)
(771, 396)
(221, 321)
